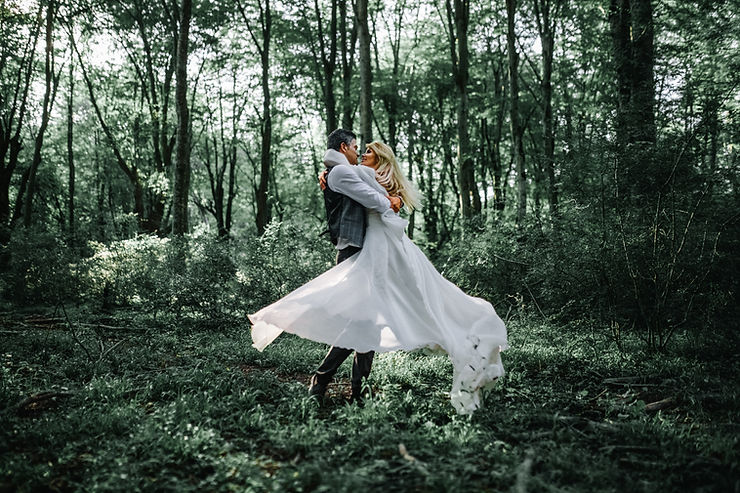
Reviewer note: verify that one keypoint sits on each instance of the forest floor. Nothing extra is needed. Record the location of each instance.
(127, 403)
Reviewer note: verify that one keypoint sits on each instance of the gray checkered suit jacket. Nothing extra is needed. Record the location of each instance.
(344, 216)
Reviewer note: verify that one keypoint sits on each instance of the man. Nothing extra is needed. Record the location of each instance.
(346, 197)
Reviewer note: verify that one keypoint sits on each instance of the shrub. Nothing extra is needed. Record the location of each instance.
(657, 268)
(41, 268)
(206, 277)
(286, 256)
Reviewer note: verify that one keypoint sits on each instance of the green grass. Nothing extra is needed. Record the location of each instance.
(185, 409)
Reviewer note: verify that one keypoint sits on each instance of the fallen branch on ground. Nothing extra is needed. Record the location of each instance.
(41, 397)
(636, 380)
(662, 404)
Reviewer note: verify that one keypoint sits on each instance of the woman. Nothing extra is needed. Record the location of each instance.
(389, 297)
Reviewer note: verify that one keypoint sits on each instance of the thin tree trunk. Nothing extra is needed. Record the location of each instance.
(150, 86)
(212, 168)
(232, 161)
(711, 106)
(570, 140)
(410, 149)
(218, 197)
(499, 186)
(430, 211)
(366, 75)
(516, 131)
(49, 93)
(263, 215)
(348, 53)
(10, 141)
(263, 206)
(328, 63)
(70, 150)
(182, 153)
(643, 83)
(469, 197)
(130, 171)
(231, 190)
(158, 106)
(449, 167)
(493, 150)
(546, 27)
(391, 98)
(620, 24)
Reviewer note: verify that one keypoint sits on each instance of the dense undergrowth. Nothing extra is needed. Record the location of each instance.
(569, 272)
(136, 404)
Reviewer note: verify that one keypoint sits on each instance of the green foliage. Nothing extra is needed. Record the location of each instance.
(657, 269)
(286, 256)
(41, 268)
(219, 280)
(123, 272)
(528, 270)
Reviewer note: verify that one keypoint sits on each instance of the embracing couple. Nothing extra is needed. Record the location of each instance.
(383, 294)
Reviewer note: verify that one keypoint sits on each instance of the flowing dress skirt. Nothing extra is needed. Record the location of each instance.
(388, 297)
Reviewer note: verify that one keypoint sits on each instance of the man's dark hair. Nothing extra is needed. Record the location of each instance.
(338, 136)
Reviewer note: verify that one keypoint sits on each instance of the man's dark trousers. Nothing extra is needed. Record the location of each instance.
(363, 361)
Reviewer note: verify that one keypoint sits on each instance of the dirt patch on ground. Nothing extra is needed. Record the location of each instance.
(339, 389)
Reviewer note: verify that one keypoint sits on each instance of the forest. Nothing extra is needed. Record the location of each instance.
(577, 162)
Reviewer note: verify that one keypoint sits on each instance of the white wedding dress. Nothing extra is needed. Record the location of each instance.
(389, 297)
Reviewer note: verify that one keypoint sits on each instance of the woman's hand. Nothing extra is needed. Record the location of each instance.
(322, 179)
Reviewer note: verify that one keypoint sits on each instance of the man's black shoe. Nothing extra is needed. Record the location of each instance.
(357, 398)
(317, 390)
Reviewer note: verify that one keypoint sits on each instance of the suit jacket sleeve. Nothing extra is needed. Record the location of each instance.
(345, 180)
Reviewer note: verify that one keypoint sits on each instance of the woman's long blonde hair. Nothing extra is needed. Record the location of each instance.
(389, 174)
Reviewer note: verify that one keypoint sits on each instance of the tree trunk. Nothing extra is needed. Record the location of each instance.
(328, 64)
(498, 182)
(631, 26)
(410, 149)
(366, 76)
(231, 189)
(130, 171)
(643, 83)
(449, 166)
(263, 215)
(263, 205)
(516, 131)
(493, 151)
(232, 161)
(469, 197)
(546, 27)
(631, 23)
(70, 151)
(348, 53)
(214, 181)
(182, 153)
(49, 93)
(158, 105)
(391, 98)
(620, 25)
(711, 110)
(10, 140)
(430, 210)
